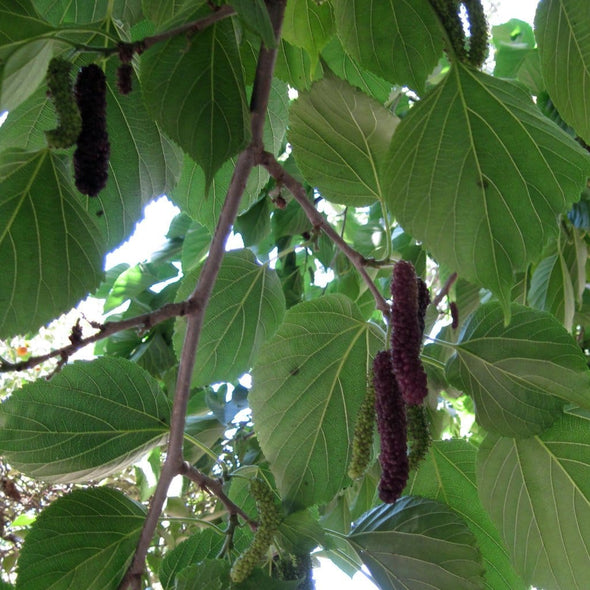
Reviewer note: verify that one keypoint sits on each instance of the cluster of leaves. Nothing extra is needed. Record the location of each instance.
(397, 147)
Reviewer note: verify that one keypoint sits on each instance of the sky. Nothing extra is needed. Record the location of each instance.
(150, 234)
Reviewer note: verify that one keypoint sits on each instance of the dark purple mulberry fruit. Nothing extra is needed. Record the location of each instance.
(91, 158)
(407, 319)
(391, 422)
(125, 78)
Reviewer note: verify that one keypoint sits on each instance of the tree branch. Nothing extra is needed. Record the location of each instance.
(174, 463)
(146, 321)
(445, 289)
(215, 487)
(140, 46)
(274, 168)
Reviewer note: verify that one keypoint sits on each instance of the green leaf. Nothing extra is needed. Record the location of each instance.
(255, 15)
(300, 533)
(308, 383)
(479, 175)
(246, 307)
(409, 31)
(514, 42)
(60, 12)
(90, 420)
(418, 543)
(562, 28)
(191, 194)
(210, 574)
(51, 248)
(346, 68)
(295, 67)
(83, 540)
(19, 22)
(552, 290)
(199, 546)
(519, 375)
(537, 491)
(206, 112)
(23, 71)
(195, 246)
(309, 25)
(254, 224)
(448, 475)
(340, 138)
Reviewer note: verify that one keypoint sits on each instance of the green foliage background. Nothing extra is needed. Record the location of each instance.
(397, 149)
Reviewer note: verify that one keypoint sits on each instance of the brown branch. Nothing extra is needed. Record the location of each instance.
(140, 46)
(215, 487)
(174, 463)
(274, 168)
(145, 321)
(445, 289)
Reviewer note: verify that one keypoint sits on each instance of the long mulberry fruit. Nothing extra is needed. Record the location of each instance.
(362, 441)
(59, 89)
(91, 158)
(391, 422)
(448, 14)
(268, 522)
(407, 313)
(419, 438)
(478, 28)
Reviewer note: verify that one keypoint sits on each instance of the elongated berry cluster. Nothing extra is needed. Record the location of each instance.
(362, 441)
(91, 158)
(59, 89)
(478, 28)
(269, 519)
(418, 434)
(410, 299)
(391, 422)
(295, 567)
(448, 14)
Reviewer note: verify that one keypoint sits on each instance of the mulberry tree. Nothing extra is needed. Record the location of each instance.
(387, 363)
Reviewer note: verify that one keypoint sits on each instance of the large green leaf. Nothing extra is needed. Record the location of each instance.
(448, 475)
(198, 547)
(60, 12)
(519, 375)
(346, 68)
(309, 25)
(246, 307)
(24, 70)
(537, 492)
(50, 247)
(407, 33)
(479, 175)
(196, 91)
(562, 28)
(340, 137)
(83, 540)
(418, 543)
(19, 22)
(552, 289)
(308, 383)
(90, 420)
(255, 15)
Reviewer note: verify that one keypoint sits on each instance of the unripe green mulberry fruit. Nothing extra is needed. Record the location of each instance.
(478, 28)
(269, 518)
(419, 438)
(59, 89)
(448, 14)
(362, 441)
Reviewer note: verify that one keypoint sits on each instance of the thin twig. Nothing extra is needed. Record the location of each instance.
(445, 289)
(274, 168)
(215, 487)
(145, 321)
(140, 46)
(174, 463)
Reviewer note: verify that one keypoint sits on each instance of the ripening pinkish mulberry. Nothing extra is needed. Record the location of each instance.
(391, 422)
(407, 320)
(91, 158)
